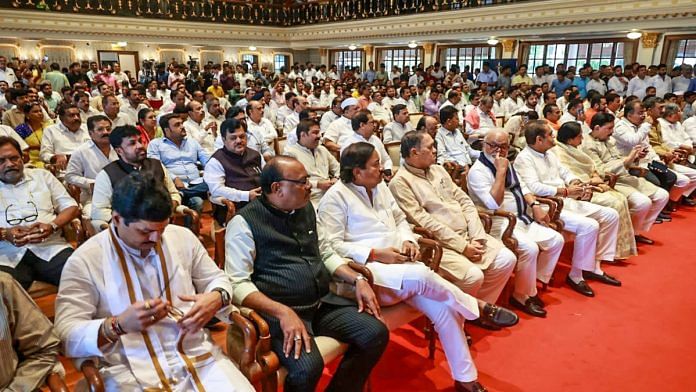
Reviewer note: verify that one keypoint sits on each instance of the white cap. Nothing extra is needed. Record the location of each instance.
(349, 102)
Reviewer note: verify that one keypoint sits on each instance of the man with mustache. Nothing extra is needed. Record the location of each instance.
(88, 160)
(62, 139)
(36, 206)
(132, 156)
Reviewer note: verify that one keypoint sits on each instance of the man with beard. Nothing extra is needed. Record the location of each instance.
(132, 156)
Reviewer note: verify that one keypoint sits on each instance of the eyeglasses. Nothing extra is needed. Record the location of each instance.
(303, 181)
(26, 219)
(497, 146)
(175, 313)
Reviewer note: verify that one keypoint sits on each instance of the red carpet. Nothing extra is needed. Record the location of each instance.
(639, 337)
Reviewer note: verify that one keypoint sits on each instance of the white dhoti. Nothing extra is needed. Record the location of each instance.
(446, 306)
(595, 228)
(644, 207)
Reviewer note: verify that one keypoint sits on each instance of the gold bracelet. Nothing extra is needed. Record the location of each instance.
(104, 330)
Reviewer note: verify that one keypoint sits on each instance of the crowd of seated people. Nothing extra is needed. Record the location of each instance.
(319, 171)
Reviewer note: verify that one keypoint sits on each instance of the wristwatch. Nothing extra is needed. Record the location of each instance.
(359, 277)
(535, 203)
(224, 295)
(54, 226)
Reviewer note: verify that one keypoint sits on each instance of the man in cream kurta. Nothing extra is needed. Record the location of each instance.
(137, 295)
(595, 227)
(476, 262)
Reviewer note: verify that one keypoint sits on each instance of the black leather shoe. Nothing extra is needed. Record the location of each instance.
(581, 287)
(658, 220)
(688, 202)
(530, 307)
(481, 323)
(665, 217)
(644, 240)
(474, 386)
(604, 278)
(498, 316)
(537, 300)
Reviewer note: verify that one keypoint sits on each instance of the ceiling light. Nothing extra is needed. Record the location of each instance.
(412, 45)
(492, 42)
(352, 47)
(634, 35)
(252, 48)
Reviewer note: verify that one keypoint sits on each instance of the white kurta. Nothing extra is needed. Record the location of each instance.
(94, 287)
(384, 157)
(84, 165)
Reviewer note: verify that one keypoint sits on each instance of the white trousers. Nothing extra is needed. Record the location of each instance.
(219, 374)
(686, 179)
(645, 208)
(538, 247)
(487, 284)
(595, 228)
(446, 306)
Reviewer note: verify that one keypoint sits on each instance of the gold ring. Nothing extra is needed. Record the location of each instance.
(152, 318)
(298, 338)
(147, 305)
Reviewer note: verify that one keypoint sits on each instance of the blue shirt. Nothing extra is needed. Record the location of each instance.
(692, 85)
(559, 86)
(180, 161)
(581, 84)
(370, 75)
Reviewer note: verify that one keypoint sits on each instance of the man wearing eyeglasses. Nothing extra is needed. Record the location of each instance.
(364, 127)
(494, 184)
(34, 206)
(137, 295)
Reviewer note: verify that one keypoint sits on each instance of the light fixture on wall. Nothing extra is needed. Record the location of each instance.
(492, 41)
(412, 45)
(252, 48)
(352, 47)
(121, 44)
(634, 35)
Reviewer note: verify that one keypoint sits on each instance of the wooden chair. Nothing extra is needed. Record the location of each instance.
(279, 144)
(218, 233)
(500, 121)
(55, 383)
(395, 316)
(394, 151)
(180, 215)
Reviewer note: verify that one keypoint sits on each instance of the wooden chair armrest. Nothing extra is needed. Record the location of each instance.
(431, 253)
(265, 363)
(486, 220)
(56, 383)
(92, 376)
(74, 230)
(642, 172)
(423, 232)
(555, 205)
(183, 211)
(507, 238)
(231, 210)
(247, 358)
(74, 191)
(361, 269)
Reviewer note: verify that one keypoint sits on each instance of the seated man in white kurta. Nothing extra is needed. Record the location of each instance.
(494, 184)
(595, 227)
(363, 222)
(474, 261)
(136, 297)
(364, 131)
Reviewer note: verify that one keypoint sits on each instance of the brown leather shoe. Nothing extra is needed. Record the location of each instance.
(473, 386)
(644, 240)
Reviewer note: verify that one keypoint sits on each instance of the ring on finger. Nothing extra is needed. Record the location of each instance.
(147, 305)
(298, 337)
(152, 318)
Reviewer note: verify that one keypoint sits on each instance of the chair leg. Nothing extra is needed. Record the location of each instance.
(431, 335)
(270, 383)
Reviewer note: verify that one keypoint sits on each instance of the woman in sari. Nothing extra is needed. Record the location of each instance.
(32, 131)
(147, 125)
(581, 164)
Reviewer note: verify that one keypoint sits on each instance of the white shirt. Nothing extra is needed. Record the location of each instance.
(353, 226)
(452, 147)
(84, 165)
(415, 80)
(680, 84)
(509, 107)
(132, 113)
(674, 134)
(690, 127)
(89, 113)
(637, 86)
(662, 86)
(597, 85)
(480, 182)
(616, 84)
(203, 136)
(214, 176)
(58, 140)
(410, 105)
(282, 112)
(290, 123)
(394, 131)
(320, 165)
(384, 158)
(120, 119)
(265, 128)
(320, 75)
(270, 111)
(339, 130)
(37, 193)
(379, 112)
(326, 120)
(543, 174)
(8, 131)
(8, 75)
(628, 135)
(486, 123)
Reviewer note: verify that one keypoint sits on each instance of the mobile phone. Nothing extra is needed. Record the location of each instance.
(45, 59)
